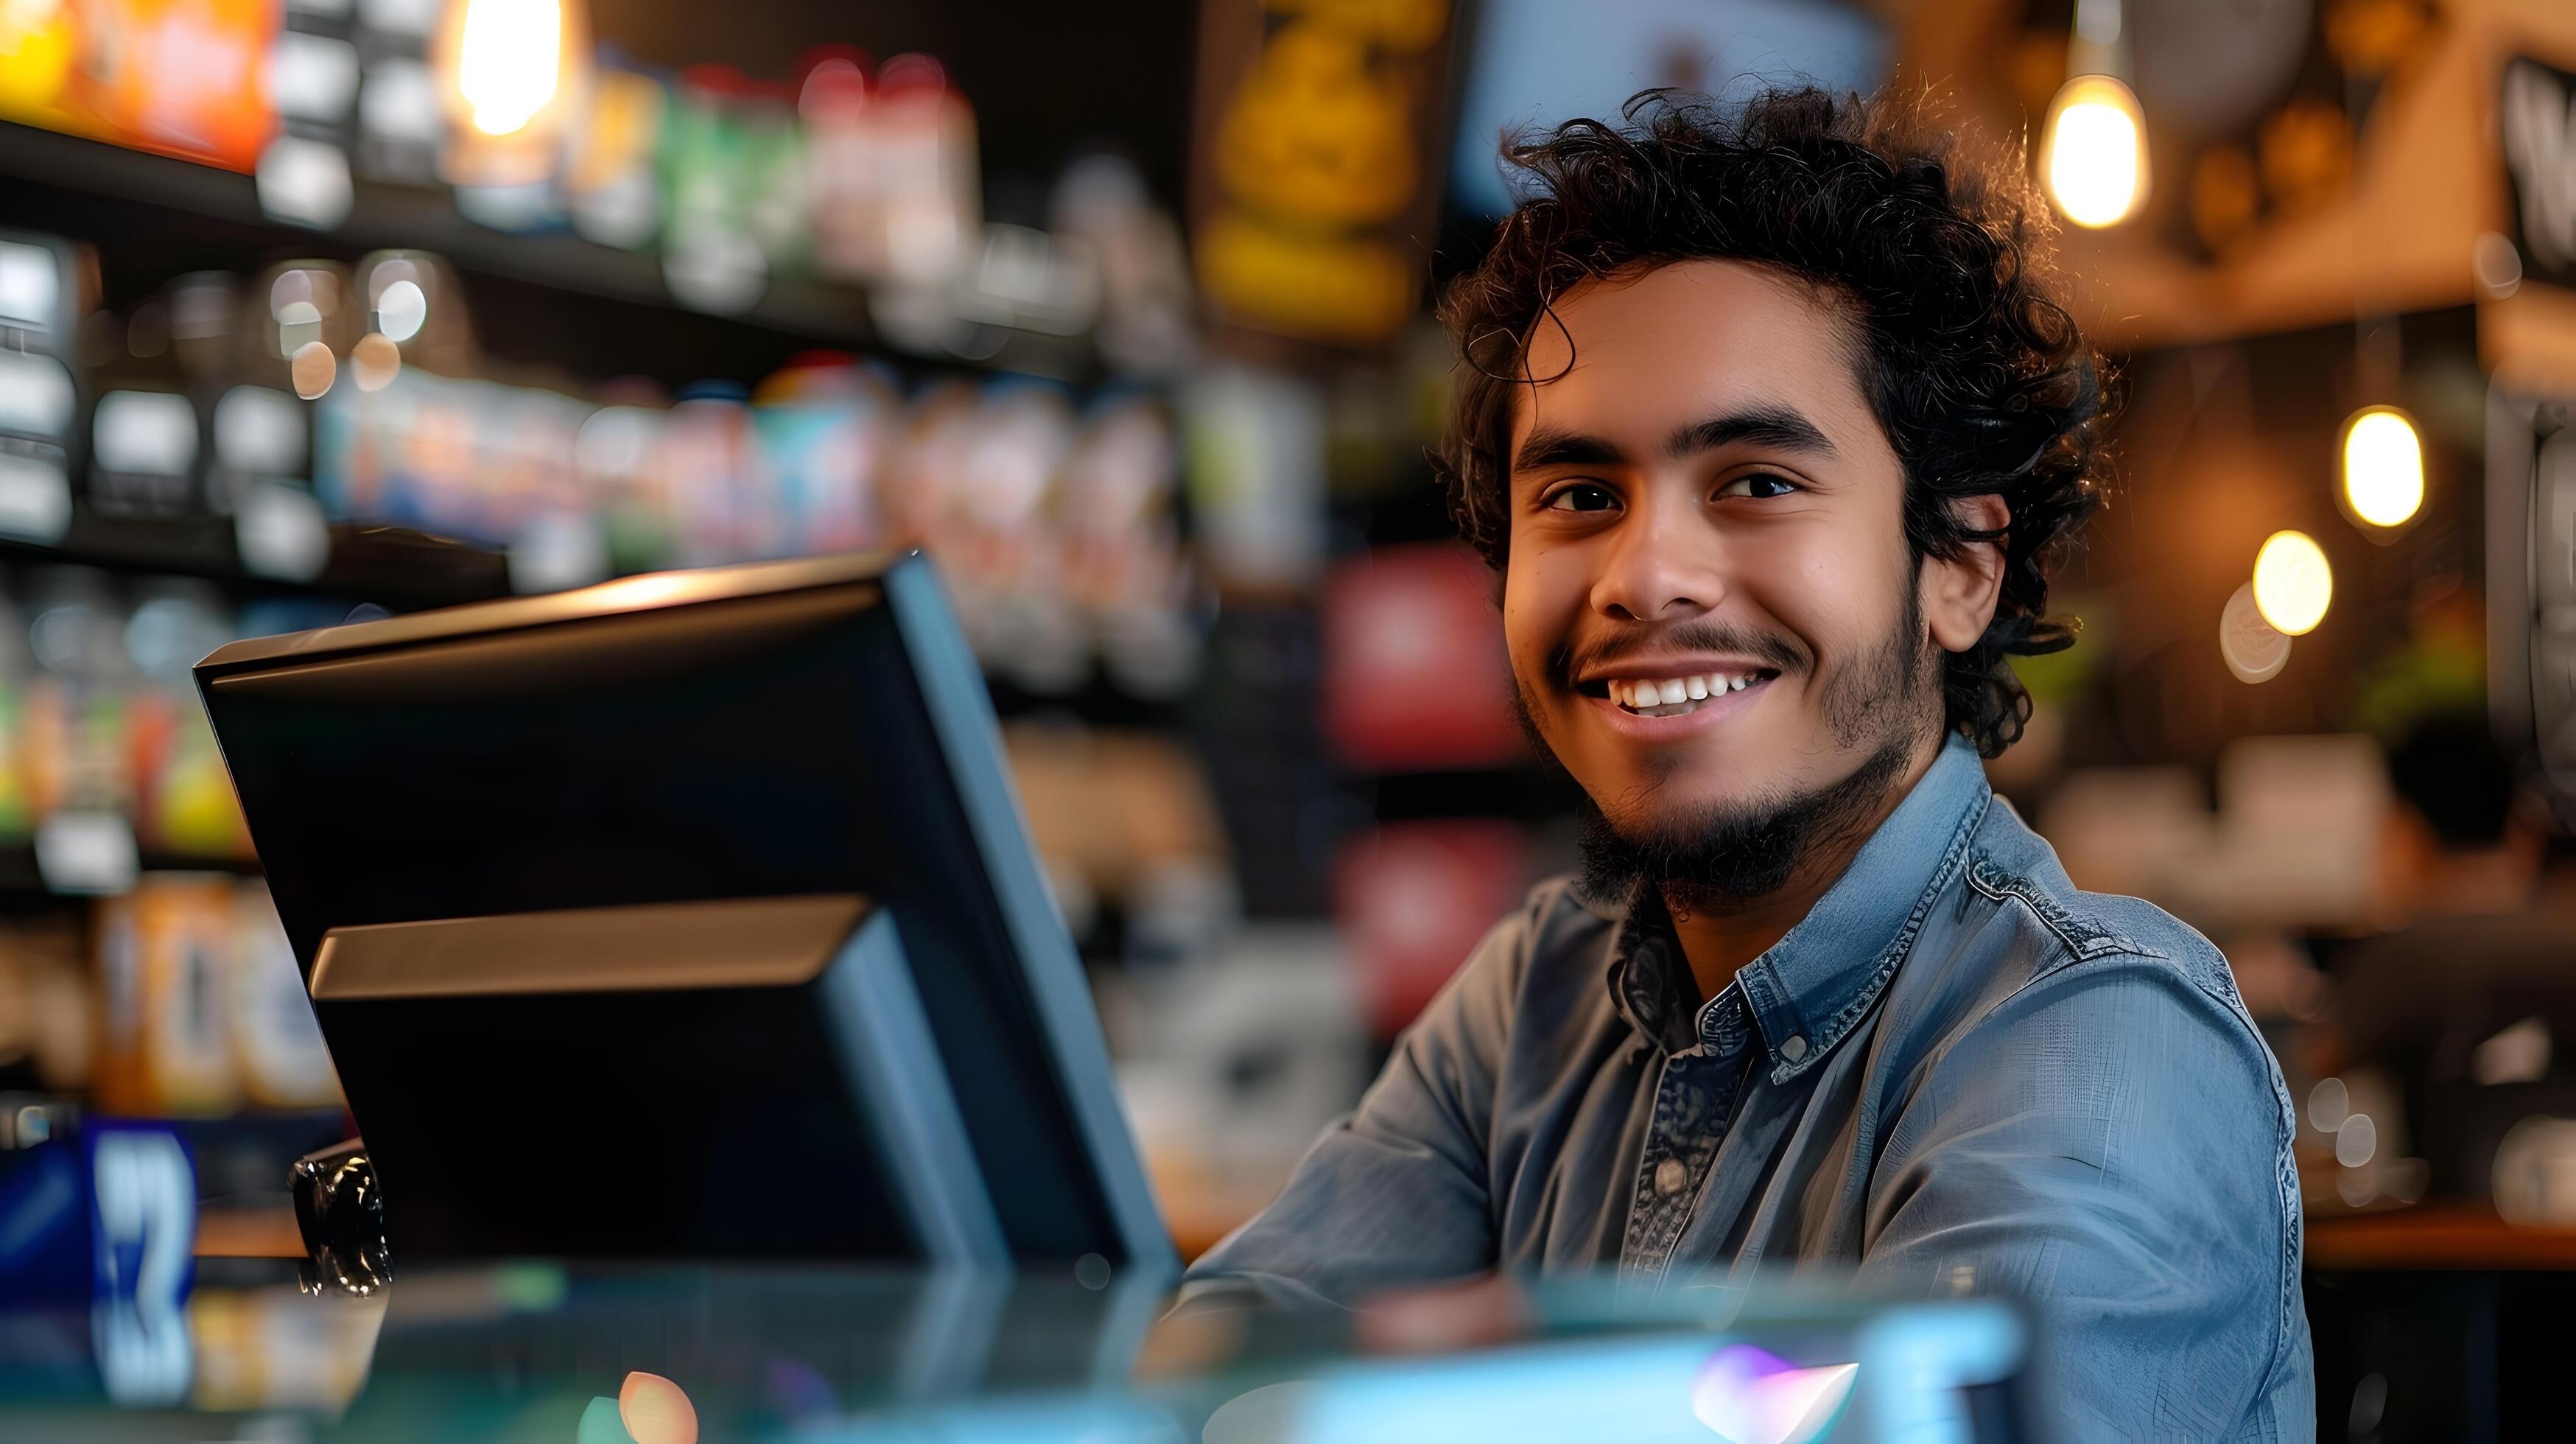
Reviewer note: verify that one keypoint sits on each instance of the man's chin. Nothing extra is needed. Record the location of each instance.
(1724, 845)
(1680, 822)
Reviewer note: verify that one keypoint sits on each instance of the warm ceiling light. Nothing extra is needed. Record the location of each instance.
(2093, 154)
(2383, 466)
(2293, 585)
(509, 61)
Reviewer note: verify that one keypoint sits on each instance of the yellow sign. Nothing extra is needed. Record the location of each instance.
(1316, 160)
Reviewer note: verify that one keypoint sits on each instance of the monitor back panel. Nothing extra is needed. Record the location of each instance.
(774, 744)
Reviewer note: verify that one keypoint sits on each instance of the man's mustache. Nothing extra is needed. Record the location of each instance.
(1768, 648)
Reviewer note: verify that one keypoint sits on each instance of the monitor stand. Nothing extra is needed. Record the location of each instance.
(546, 1084)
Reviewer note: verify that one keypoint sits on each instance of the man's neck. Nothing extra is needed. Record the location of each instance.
(1720, 939)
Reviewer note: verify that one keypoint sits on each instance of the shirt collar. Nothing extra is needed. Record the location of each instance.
(1649, 984)
(1812, 986)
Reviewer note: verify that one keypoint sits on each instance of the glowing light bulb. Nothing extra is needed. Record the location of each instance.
(2094, 154)
(509, 61)
(2383, 466)
(2293, 585)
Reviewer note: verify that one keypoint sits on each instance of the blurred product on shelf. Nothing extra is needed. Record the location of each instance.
(852, 175)
(100, 726)
(1145, 316)
(226, 400)
(163, 1046)
(1233, 1065)
(183, 799)
(48, 1039)
(1413, 898)
(612, 184)
(1415, 677)
(402, 128)
(276, 1044)
(736, 176)
(200, 1005)
(1124, 819)
(1256, 440)
(1056, 528)
(182, 77)
(39, 402)
(303, 173)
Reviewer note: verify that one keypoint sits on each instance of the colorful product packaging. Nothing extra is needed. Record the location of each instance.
(284, 1062)
(166, 1045)
(614, 183)
(181, 77)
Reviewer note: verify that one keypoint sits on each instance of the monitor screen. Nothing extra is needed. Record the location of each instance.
(746, 735)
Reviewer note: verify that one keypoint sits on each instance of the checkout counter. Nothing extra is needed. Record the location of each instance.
(725, 866)
(598, 1354)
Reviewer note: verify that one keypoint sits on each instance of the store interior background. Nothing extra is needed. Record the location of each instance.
(316, 309)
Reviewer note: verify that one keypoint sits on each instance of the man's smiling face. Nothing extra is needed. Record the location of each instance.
(1712, 610)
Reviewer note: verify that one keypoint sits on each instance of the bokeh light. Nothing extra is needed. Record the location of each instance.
(509, 61)
(313, 369)
(2094, 157)
(2255, 650)
(375, 361)
(2293, 584)
(656, 1411)
(401, 310)
(2383, 466)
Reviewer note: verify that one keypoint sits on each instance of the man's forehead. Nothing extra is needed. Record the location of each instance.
(1642, 347)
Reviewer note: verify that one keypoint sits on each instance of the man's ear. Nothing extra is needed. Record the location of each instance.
(1959, 596)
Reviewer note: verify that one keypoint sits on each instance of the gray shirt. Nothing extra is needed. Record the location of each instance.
(1956, 1074)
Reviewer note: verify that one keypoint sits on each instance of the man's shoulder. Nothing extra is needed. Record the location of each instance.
(2016, 872)
(1532, 949)
(1538, 942)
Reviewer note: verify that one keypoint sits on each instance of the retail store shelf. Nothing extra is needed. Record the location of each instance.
(795, 312)
(396, 568)
(23, 882)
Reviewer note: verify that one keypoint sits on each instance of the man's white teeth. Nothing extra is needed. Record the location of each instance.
(1677, 692)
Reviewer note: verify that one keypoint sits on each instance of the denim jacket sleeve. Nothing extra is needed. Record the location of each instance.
(1397, 1191)
(2104, 1142)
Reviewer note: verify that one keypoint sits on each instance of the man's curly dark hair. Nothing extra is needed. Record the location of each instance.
(1980, 378)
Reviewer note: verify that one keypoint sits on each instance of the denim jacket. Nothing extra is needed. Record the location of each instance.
(1956, 1074)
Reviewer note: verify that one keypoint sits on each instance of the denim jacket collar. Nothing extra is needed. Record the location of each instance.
(1809, 989)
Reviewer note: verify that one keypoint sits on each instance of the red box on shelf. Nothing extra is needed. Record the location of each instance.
(1414, 898)
(1415, 678)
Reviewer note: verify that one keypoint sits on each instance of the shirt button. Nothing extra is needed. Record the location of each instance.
(1794, 1049)
(1670, 1175)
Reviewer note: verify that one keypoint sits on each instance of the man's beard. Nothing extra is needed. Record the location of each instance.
(1726, 854)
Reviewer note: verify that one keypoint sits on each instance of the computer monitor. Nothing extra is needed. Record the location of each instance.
(688, 915)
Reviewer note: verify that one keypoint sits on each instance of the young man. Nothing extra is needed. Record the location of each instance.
(1773, 432)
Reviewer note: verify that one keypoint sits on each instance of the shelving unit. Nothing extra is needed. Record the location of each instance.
(398, 569)
(596, 310)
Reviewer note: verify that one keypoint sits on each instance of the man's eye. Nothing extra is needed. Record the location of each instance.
(1582, 496)
(1759, 487)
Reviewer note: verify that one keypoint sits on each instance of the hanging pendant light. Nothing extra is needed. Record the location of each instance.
(2093, 147)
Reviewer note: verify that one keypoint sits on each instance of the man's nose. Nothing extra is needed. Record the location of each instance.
(1660, 568)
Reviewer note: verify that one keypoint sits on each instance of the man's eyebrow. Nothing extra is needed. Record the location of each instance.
(1774, 426)
(1548, 446)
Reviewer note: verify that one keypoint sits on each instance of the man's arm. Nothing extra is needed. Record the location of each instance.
(1397, 1192)
(2108, 1144)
